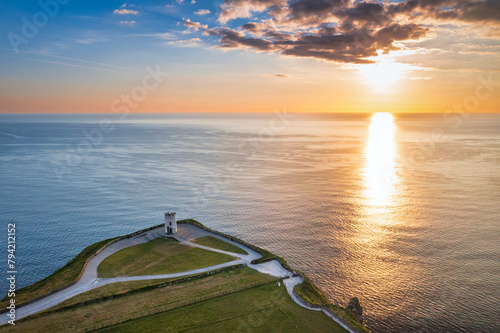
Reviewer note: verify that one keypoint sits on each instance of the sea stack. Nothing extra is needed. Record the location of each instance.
(355, 307)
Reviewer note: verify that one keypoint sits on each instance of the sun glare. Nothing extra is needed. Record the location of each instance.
(383, 74)
(380, 174)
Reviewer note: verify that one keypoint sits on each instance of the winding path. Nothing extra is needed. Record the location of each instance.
(185, 233)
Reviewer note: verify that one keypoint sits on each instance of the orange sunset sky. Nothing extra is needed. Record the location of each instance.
(251, 56)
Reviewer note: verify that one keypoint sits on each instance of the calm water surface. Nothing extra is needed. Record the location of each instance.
(400, 211)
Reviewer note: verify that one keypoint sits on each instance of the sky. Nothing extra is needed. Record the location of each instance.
(71, 56)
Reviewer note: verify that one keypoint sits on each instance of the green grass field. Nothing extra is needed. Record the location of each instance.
(266, 308)
(159, 256)
(130, 305)
(216, 243)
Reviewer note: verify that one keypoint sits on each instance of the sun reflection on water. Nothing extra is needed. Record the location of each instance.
(380, 170)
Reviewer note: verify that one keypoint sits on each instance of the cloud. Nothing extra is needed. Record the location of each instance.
(90, 37)
(456, 47)
(124, 11)
(450, 60)
(159, 35)
(475, 11)
(91, 40)
(281, 76)
(195, 26)
(342, 30)
(185, 42)
(321, 11)
(234, 39)
(233, 9)
(78, 66)
(80, 60)
(127, 22)
(351, 46)
(202, 12)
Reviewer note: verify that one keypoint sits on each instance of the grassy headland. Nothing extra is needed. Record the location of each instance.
(229, 299)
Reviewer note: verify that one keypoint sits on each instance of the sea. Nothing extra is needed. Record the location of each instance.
(401, 211)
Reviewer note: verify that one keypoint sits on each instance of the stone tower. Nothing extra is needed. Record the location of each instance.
(170, 223)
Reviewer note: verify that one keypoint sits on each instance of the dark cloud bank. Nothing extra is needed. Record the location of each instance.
(342, 30)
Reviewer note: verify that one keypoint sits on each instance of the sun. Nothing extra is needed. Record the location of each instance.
(384, 74)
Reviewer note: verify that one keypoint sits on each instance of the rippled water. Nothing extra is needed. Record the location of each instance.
(402, 212)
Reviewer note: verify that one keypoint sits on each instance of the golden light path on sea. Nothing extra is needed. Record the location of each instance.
(380, 167)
